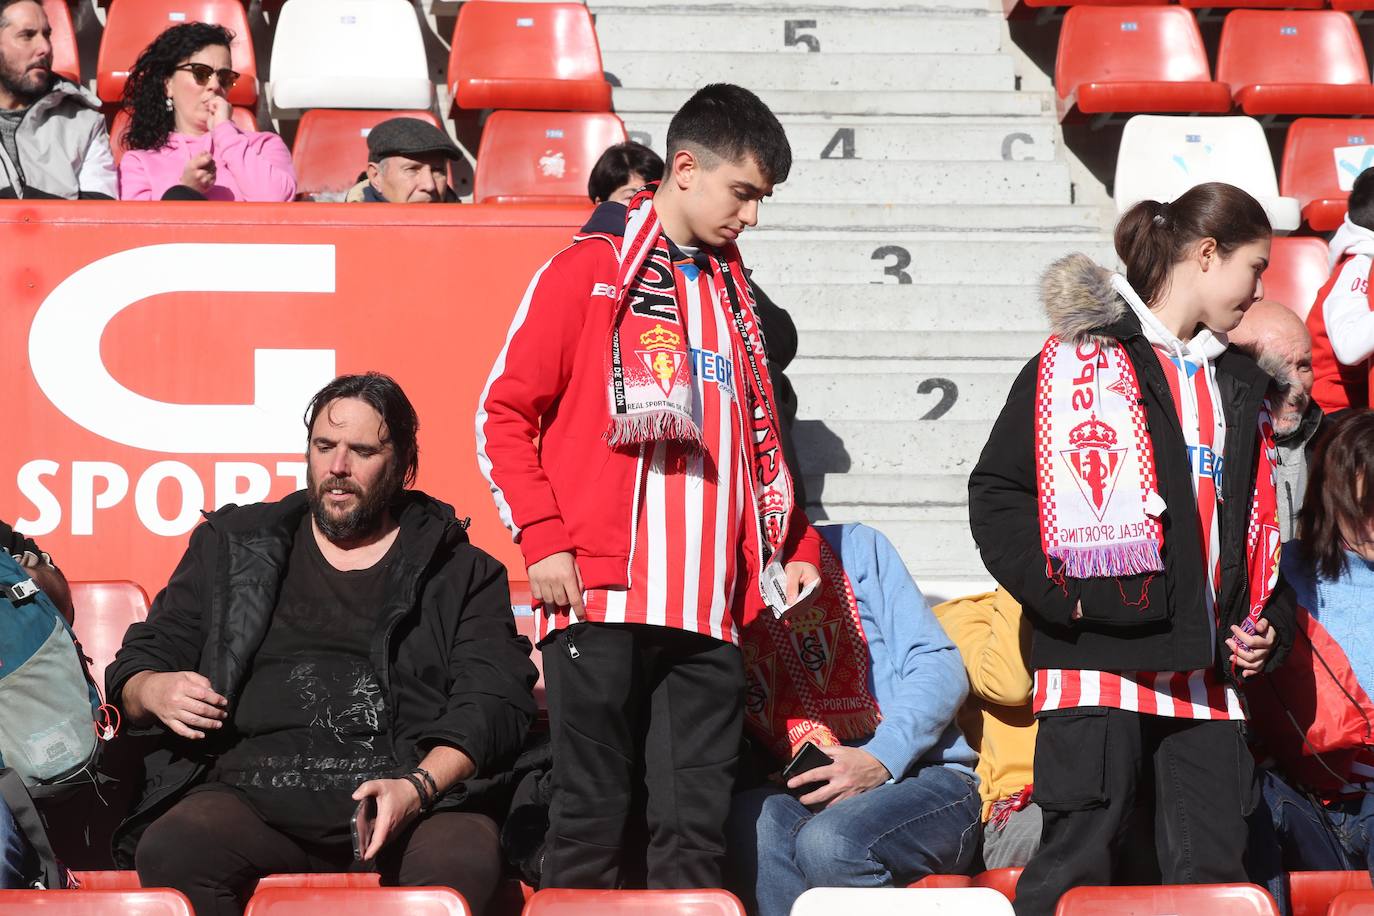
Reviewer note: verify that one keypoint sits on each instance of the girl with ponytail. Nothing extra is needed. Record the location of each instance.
(1125, 497)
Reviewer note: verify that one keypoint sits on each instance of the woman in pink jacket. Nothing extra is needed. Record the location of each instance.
(181, 143)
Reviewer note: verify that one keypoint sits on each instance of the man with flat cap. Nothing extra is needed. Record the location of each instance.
(407, 163)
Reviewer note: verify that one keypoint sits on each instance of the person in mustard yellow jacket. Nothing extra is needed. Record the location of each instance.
(996, 719)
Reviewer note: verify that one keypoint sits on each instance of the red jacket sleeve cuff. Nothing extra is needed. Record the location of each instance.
(544, 539)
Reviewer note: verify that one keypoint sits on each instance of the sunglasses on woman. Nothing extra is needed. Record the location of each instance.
(201, 73)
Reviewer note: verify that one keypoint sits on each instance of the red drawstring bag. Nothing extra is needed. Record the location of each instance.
(1312, 716)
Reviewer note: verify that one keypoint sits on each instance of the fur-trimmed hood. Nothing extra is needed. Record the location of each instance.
(1080, 300)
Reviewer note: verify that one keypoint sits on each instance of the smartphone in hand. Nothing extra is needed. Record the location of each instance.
(364, 818)
(807, 759)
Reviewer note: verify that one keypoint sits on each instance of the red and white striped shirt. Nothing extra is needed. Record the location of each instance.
(687, 567)
(1184, 695)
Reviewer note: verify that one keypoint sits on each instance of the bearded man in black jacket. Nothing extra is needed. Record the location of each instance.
(343, 644)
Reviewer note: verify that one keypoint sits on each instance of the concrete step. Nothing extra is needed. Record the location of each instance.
(846, 181)
(886, 307)
(780, 7)
(861, 444)
(999, 259)
(916, 345)
(949, 393)
(812, 72)
(906, 139)
(964, 105)
(852, 491)
(686, 31)
(832, 219)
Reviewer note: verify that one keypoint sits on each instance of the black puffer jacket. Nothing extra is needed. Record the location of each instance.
(447, 655)
(1171, 633)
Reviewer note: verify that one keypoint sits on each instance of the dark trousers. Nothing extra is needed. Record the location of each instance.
(641, 712)
(1102, 774)
(213, 847)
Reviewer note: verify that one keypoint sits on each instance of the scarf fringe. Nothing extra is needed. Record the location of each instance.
(1129, 559)
(657, 426)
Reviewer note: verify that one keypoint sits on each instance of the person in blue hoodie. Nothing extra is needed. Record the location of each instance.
(867, 675)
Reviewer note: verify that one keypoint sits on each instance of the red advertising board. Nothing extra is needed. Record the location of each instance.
(158, 357)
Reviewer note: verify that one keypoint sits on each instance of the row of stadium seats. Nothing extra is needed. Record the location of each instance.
(1160, 157)
(370, 53)
(1151, 59)
(346, 895)
(542, 157)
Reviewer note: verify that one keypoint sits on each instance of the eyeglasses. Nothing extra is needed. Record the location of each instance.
(201, 73)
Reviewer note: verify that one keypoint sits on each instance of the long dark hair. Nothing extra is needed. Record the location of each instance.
(1152, 237)
(1341, 464)
(145, 93)
(384, 395)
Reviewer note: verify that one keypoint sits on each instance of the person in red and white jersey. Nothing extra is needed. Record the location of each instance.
(1126, 498)
(1342, 319)
(631, 439)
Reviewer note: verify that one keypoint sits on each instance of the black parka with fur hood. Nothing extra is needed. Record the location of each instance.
(1170, 631)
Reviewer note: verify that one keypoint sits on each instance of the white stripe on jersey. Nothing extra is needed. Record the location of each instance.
(1197, 693)
(656, 526)
(1090, 688)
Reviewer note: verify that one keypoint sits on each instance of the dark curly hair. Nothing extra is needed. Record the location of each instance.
(145, 93)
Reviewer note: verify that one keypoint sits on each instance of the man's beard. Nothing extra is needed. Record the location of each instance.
(22, 87)
(365, 517)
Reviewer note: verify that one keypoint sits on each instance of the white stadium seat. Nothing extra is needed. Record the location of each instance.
(349, 54)
(1161, 157)
(902, 901)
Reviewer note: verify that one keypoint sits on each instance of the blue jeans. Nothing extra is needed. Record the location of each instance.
(16, 862)
(1289, 832)
(928, 823)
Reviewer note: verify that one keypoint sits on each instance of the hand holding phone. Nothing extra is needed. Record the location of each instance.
(809, 758)
(364, 819)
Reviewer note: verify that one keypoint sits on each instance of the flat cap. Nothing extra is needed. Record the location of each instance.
(408, 137)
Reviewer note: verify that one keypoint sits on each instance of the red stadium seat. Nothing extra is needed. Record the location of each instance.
(1254, 4)
(1311, 892)
(132, 24)
(1321, 158)
(243, 117)
(104, 610)
(943, 881)
(1174, 900)
(1297, 271)
(353, 879)
(1046, 3)
(1352, 903)
(1352, 6)
(150, 902)
(1134, 59)
(1299, 62)
(106, 880)
(541, 56)
(357, 901)
(541, 157)
(562, 902)
(330, 149)
(65, 60)
(1002, 880)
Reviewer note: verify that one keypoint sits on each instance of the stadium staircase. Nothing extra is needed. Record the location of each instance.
(928, 194)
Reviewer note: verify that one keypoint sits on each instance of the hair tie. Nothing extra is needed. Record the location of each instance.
(1162, 218)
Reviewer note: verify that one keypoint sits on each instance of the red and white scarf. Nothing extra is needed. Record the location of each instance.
(807, 674)
(1098, 504)
(649, 375)
(1095, 470)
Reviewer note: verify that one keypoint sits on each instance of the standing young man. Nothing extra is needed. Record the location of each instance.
(630, 436)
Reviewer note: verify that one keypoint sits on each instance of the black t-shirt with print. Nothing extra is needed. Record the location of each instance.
(311, 723)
